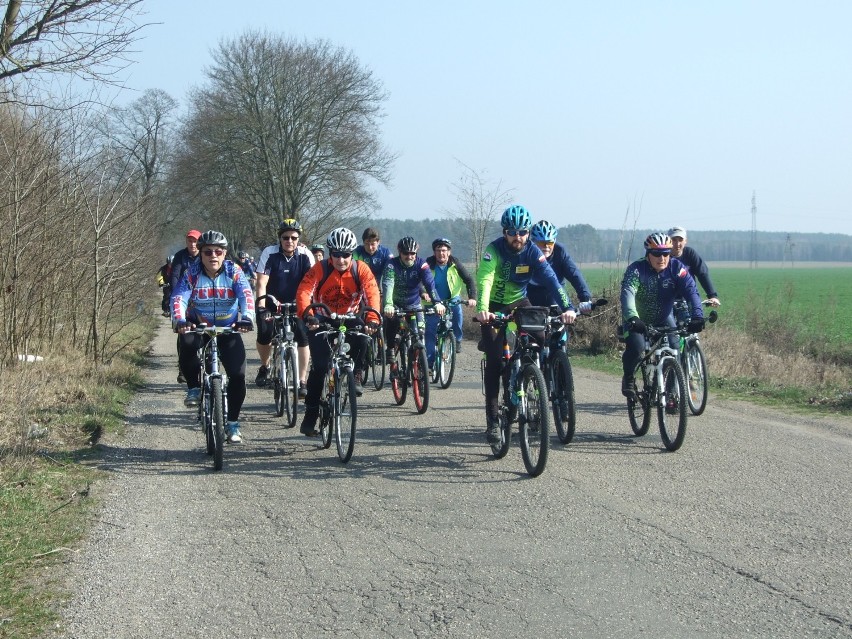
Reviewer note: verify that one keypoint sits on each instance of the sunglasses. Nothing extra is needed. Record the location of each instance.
(514, 232)
(290, 238)
(408, 253)
(543, 243)
(216, 252)
(659, 253)
(341, 254)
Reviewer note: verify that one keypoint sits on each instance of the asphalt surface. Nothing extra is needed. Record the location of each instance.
(745, 531)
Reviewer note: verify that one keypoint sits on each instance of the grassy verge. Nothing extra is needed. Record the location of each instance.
(50, 415)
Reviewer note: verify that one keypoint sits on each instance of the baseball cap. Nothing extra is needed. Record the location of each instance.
(677, 231)
(194, 233)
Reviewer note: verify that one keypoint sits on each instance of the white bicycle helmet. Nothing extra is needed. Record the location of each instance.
(341, 239)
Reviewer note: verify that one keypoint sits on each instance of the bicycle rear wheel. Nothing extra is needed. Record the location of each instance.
(445, 360)
(639, 406)
(420, 379)
(534, 420)
(671, 413)
(564, 408)
(377, 360)
(217, 399)
(399, 377)
(695, 372)
(345, 414)
(290, 387)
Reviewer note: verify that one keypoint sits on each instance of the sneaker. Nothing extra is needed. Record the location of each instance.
(492, 431)
(458, 346)
(180, 378)
(262, 376)
(234, 434)
(628, 386)
(192, 397)
(303, 390)
(359, 383)
(309, 422)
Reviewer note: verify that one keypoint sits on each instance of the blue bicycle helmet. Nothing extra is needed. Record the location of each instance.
(516, 217)
(543, 231)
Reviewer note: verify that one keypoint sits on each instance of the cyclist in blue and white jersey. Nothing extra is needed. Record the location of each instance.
(401, 282)
(214, 291)
(544, 234)
(373, 253)
(648, 292)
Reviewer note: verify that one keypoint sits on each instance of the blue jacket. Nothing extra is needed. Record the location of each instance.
(650, 296)
(565, 269)
(401, 284)
(217, 301)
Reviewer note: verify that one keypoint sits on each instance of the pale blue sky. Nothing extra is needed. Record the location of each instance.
(678, 110)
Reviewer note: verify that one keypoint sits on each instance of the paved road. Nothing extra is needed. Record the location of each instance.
(743, 532)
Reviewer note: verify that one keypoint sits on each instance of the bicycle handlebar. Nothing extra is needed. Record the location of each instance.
(281, 307)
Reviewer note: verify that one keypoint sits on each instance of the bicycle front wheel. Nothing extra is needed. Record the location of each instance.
(345, 412)
(671, 413)
(399, 377)
(290, 387)
(420, 379)
(639, 406)
(695, 372)
(564, 409)
(205, 417)
(377, 360)
(279, 381)
(217, 400)
(445, 360)
(534, 420)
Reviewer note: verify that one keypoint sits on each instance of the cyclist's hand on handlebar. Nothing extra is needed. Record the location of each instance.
(635, 325)
(471, 302)
(568, 317)
(713, 301)
(440, 309)
(184, 326)
(696, 325)
(312, 322)
(484, 316)
(371, 327)
(389, 310)
(584, 308)
(244, 326)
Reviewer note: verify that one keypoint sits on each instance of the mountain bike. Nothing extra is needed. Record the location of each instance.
(660, 385)
(375, 358)
(284, 370)
(523, 393)
(213, 404)
(556, 367)
(338, 416)
(445, 348)
(410, 366)
(692, 359)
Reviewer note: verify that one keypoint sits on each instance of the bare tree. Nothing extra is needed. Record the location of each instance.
(86, 38)
(478, 204)
(284, 129)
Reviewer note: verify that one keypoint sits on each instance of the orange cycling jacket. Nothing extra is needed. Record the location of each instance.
(339, 292)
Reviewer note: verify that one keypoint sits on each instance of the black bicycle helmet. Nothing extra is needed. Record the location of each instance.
(290, 224)
(407, 245)
(441, 241)
(212, 238)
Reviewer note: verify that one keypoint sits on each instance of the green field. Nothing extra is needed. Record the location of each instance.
(817, 299)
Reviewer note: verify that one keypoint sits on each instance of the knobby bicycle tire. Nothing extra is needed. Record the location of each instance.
(399, 377)
(534, 420)
(217, 398)
(672, 411)
(564, 408)
(695, 374)
(500, 448)
(290, 387)
(345, 414)
(639, 406)
(420, 379)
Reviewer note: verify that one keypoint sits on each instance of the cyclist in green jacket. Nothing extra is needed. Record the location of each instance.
(506, 268)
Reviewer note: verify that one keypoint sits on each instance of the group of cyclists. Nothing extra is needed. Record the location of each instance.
(513, 271)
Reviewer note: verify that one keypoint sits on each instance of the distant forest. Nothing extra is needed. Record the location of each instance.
(587, 244)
